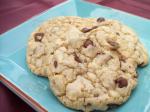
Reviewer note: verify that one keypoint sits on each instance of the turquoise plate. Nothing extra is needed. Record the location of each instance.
(35, 90)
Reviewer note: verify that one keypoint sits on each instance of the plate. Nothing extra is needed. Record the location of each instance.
(34, 89)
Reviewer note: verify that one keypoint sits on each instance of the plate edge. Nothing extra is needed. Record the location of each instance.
(31, 102)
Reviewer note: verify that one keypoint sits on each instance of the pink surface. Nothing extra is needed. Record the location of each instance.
(9, 102)
(14, 12)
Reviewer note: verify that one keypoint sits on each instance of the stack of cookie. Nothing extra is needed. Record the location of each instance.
(91, 63)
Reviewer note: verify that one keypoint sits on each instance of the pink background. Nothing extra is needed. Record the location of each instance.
(14, 12)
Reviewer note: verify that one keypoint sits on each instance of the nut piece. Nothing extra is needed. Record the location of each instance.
(87, 43)
(122, 82)
(38, 37)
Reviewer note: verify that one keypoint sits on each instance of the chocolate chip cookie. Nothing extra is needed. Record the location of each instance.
(91, 63)
(88, 76)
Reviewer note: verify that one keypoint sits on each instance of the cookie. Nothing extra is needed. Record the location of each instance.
(88, 76)
(91, 63)
(47, 38)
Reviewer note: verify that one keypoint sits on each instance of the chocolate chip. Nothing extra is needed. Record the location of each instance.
(100, 53)
(88, 104)
(85, 30)
(52, 53)
(96, 95)
(76, 58)
(114, 44)
(111, 105)
(100, 19)
(55, 64)
(135, 76)
(38, 37)
(117, 33)
(141, 64)
(122, 82)
(87, 43)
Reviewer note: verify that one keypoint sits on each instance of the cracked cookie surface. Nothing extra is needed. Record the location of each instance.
(88, 76)
(91, 63)
(48, 37)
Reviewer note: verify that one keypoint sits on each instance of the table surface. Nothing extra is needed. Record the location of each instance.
(14, 12)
